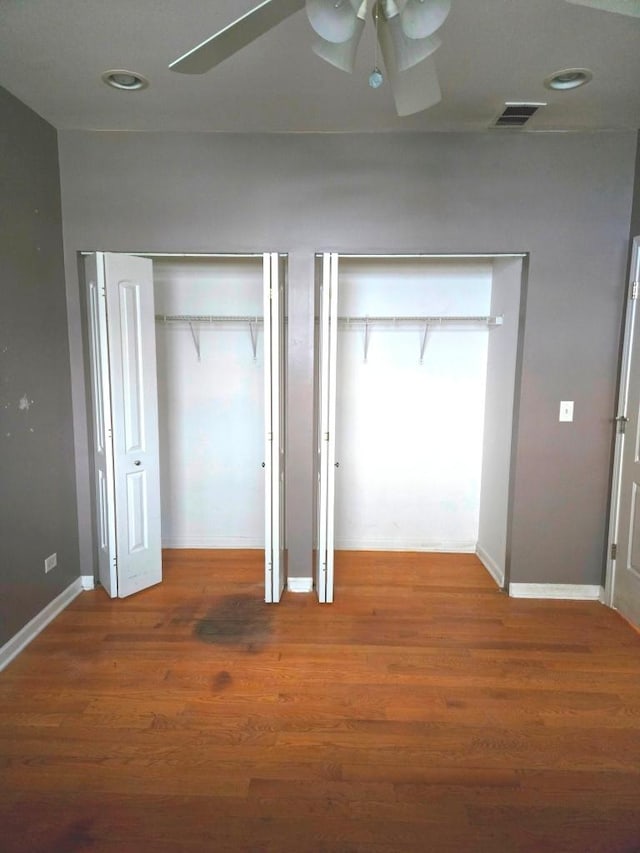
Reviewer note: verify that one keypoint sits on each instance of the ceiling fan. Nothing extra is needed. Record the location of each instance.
(405, 29)
(622, 7)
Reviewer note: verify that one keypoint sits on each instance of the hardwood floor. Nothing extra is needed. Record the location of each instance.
(423, 711)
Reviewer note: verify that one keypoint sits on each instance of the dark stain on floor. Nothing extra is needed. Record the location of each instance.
(77, 836)
(236, 620)
(221, 681)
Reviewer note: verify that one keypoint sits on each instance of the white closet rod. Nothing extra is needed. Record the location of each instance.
(207, 318)
(426, 322)
(418, 318)
(191, 319)
(440, 320)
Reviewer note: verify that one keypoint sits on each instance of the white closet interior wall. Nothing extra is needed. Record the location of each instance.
(409, 435)
(498, 424)
(211, 405)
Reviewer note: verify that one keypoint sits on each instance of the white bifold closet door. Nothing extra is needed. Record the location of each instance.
(125, 418)
(624, 569)
(328, 350)
(274, 559)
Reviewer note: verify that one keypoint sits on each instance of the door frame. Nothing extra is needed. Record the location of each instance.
(278, 259)
(524, 257)
(630, 319)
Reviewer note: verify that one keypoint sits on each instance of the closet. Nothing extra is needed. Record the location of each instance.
(416, 377)
(187, 365)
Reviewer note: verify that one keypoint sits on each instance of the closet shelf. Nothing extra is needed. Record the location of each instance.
(440, 320)
(194, 321)
(425, 322)
(207, 318)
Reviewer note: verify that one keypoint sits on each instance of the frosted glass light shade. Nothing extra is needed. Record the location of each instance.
(334, 21)
(342, 55)
(421, 18)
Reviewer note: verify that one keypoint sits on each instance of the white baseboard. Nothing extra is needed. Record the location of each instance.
(462, 547)
(88, 582)
(31, 630)
(300, 584)
(569, 591)
(213, 542)
(490, 565)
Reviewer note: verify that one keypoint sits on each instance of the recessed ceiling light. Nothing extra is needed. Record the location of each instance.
(570, 78)
(130, 81)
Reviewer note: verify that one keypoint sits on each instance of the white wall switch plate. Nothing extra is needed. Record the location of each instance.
(50, 563)
(566, 411)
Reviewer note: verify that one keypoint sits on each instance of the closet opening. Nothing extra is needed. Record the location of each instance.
(187, 364)
(417, 377)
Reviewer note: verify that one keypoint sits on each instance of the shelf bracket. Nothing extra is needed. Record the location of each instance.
(423, 342)
(366, 339)
(195, 334)
(253, 331)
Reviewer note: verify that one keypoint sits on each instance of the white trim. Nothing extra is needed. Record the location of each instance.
(213, 542)
(88, 582)
(461, 547)
(490, 565)
(31, 630)
(569, 591)
(300, 584)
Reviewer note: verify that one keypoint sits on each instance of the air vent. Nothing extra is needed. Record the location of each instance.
(517, 115)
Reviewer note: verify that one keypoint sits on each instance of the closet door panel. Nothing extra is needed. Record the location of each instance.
(102, 426)
(273, 285)
(132, 363)
(326, 433)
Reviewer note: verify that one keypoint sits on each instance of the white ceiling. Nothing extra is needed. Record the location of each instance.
(52, 53)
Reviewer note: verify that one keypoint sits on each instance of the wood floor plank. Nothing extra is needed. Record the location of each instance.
(423, 711)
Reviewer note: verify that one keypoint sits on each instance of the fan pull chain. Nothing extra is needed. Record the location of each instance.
(376, 78)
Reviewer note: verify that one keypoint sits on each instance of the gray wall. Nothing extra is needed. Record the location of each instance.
(37, 491)
(564, 198)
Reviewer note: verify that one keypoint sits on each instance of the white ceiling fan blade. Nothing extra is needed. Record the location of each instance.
(622, 7)
(235, 36)
(415, 89)
(421, 18)
(333, 20)
(343, 55)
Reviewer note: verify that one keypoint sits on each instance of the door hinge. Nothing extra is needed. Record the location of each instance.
(614, 552)
(622, 422)
(634, 289)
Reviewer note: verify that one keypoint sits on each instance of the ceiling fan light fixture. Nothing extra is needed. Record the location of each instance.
(127, 81)
(568, 78)
(343, 55)
(421, 18)
(333, 20)
(409, 52)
